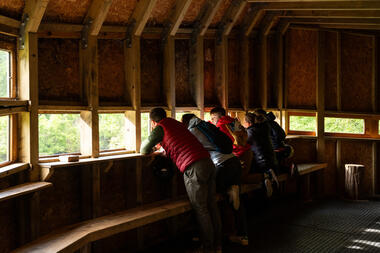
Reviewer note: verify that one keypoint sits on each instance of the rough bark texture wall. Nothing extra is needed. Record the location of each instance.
(58, 68)
(254, 73)
(161, 12)
(356, 72)
(183, 88)
(331, 71)
(151, 73)
(192, 13)
(63, 11)
(119, 12)
(300, 70)
(112, 87)
(211, 98)
(221, 11)
(271, 72)
(12, 8)
(234, 83)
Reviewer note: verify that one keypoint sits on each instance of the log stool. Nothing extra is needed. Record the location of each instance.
(353, 174)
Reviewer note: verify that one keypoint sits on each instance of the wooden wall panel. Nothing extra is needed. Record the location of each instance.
(153, 189)
(151, 73)
(271, 69)
(300, 68)
(119, 12)
(234, 83)
(377, 170)
(330, 174)
(112, 86)
(156, 232)
(122, 242)
(331, 71)
(58, 70)
(254, 73)
(160, 12)
(12, 8)
(61, 205)
(63, 11)
(304, 150)
(356, 72)
(211, 98)
(183, 89)
(192, 13)
(220, 13)
(8, 218)
(118, 187)
(358, 152)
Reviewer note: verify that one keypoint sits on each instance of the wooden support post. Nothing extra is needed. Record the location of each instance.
(338, 72)
(221, 70)
(374, 74)
(374, 169)
(169, 73)
(89, 119)
(264, 70)
(197, 73)
(280, 70)
(132, 70)
(244, 73)
(321, 66)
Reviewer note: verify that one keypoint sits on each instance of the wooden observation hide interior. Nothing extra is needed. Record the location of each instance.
(314, 58)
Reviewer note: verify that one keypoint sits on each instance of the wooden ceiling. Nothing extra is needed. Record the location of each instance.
(63, 17)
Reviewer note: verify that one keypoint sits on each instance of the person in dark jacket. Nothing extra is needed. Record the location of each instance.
(184, 149)
(282, 150)
(261, 145)
(228, 176)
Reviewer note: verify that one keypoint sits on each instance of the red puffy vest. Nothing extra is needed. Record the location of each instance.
(181, 145)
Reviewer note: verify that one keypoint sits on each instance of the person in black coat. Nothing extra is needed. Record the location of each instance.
(261, 144)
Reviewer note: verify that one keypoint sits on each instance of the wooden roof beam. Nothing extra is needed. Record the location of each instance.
(140, 16)
(283, 27)
(97, 13)
(177, 15)
(205, 17)
(35, 10)
(268, 22)
(328, 21)
(318, 5)
(251, 20)
(332, 13)
(230, 17)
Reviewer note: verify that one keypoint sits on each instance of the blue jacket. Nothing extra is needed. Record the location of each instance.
(277, 134)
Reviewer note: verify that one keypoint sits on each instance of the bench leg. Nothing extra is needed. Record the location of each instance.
(306, 188)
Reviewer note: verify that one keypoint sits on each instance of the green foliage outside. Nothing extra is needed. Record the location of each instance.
(4, 73)
(344, 125)
(207, 116)
(111, 131)
(178, 115)
(145, 125)
(58, 133)
(302, 123)
(4, 138)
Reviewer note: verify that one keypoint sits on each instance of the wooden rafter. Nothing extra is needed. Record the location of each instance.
(206, 16)
(332, 13)
(232, 14)
(177, 15)
(97, 13)
(140, 16)
(283, 27)
(35, 10)
(318, 5)
(268, 22)
(251, 20)
(355, 21)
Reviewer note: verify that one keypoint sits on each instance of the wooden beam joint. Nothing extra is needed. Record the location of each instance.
(24, 22)
(86, 32)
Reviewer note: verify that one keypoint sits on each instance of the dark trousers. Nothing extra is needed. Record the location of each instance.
(199, 180)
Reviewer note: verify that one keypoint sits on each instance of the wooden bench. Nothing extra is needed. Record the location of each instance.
(23, 189)
(77, 236)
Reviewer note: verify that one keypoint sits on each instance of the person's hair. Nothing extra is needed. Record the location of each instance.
(250, 118)
(157, 114)
(218, 110)
(260, 112)
(186, 118)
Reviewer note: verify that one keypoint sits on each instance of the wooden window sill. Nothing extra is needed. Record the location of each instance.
(13, 168)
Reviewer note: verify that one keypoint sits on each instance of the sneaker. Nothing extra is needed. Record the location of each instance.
(274, 178)
(268, 187)
(242, 240)
(234, 196)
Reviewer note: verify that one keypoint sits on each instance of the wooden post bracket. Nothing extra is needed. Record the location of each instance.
(86, 32)
(22, 34)
(129, 36)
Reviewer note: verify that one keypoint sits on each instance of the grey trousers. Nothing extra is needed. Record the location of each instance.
(199, 180)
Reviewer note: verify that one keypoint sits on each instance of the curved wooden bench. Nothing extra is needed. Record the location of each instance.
(23, 189)
(76, 236)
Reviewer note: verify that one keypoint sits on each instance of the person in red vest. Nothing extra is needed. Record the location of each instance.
(184, 149)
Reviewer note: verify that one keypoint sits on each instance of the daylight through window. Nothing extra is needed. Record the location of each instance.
(4, 138)
(4, 73)
(111, 131)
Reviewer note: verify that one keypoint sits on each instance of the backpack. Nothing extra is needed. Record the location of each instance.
(222, 142)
